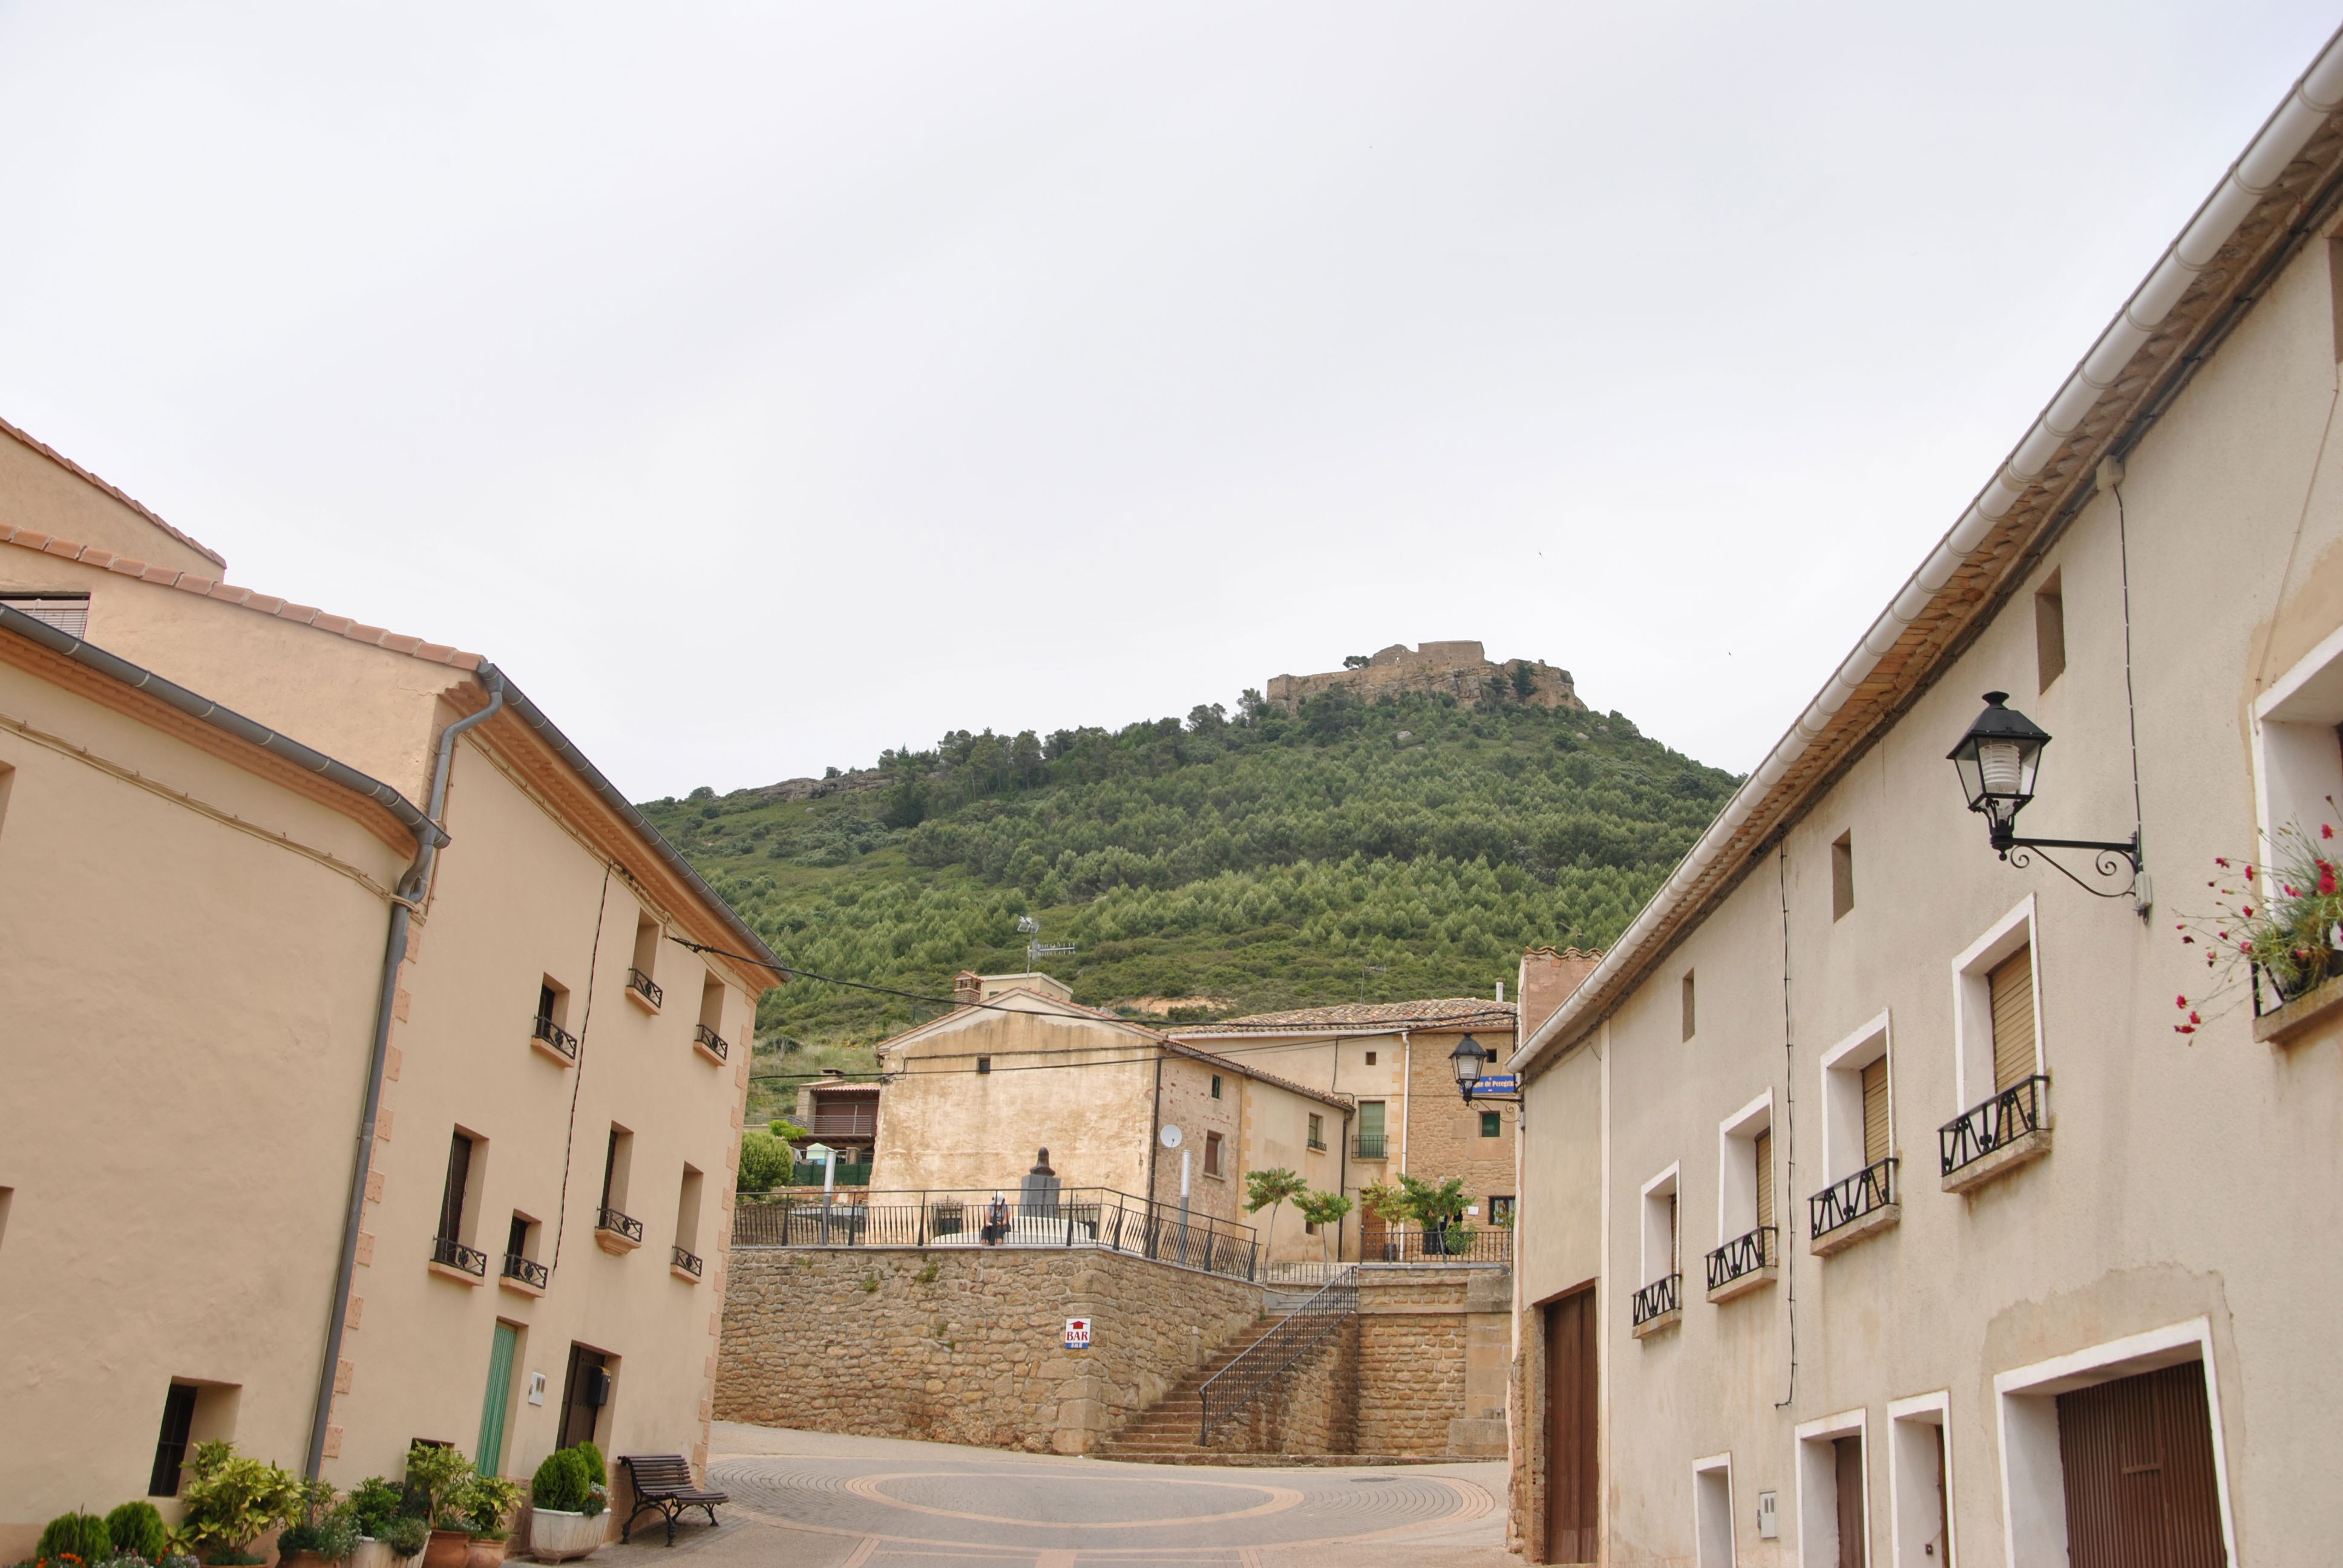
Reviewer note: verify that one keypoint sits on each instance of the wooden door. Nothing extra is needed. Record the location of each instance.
(1572, 1506)
(489, 1456)
(1848, 1452)
(2138, 1457)
(578, 1416)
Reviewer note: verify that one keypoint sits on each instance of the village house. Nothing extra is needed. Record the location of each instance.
(375, 1072)
(1894, 1191)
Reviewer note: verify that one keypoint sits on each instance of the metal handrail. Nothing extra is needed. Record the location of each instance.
(2001, 1121)
(642, 983)
(553, 1034)
(1463, 1242)
(527, 1271)
(688, 1261)
(1243, 1380)
(1742, 1255)
(1077, 1217)
(451, 1253)
(1658, 1299)
(625, 1225)
(1371, 1146)
(711, 1039)
(1844, 1202)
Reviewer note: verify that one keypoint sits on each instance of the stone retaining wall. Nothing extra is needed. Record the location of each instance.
(1312, 1408)
(1434, 1352)
(963, 1345)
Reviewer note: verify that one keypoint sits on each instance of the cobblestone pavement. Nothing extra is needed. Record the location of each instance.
(811, 1500)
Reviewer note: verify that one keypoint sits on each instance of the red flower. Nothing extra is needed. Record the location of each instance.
(2249, 911)
(2222, 862)
(2180, 1001)
(2184, 1029)
(2193, 1019)
(2250, 873)
(2327, 830)
(2188, 941)
(2327, 879)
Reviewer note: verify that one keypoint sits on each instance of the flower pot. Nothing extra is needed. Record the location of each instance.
(555, 1536)
(448, 1549)
(373, 1554)
(486, 1554)
(299, 1559)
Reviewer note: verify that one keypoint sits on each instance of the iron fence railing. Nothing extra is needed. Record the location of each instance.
(619, 1224)
(1742, 1255)
(554, 1035)
(1369, 1146)
(1457, 1243)
(1658, 1299)
(1844, 1202)
(527, 1271)
(863, 1123)
(451, 1253)
(1077, 1217)
(2001, 1121)
(1242, 1381)
(688, 1261)
(643, 985)
(712, 1040)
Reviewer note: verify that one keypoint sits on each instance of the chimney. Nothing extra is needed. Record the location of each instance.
(968, 989)
(1548, 977)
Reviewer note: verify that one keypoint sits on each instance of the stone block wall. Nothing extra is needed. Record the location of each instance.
(1313, 1408)
(1432, 1361)
(963, 1345)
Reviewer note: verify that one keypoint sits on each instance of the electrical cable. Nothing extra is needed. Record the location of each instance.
(585, 1023)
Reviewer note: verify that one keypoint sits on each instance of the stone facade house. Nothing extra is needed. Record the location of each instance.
(361, 1087)
(1878, 1203)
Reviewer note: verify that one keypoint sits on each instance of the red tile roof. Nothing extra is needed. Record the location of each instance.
(1454, 1010)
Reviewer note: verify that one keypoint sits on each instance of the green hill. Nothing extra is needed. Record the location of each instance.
(1350, 851)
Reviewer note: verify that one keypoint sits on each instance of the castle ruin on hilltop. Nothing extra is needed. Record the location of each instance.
(1461, 669)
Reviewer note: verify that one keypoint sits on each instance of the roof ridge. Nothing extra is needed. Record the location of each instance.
(209, 588)
(127, 499)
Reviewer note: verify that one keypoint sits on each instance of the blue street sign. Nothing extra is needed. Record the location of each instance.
(1498, 1084)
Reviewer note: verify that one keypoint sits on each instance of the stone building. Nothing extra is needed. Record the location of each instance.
(1879, 1205)
(1461, 671)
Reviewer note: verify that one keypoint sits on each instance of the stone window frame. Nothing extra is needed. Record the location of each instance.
(1905, 1472)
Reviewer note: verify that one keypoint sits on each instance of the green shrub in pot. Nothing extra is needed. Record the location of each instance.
(405, 1535)
(81, 1535)
(440, 1478)
(232, 1498)
(137, 1529)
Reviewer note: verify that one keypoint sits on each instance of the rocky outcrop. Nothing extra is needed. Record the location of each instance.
(1459, 669)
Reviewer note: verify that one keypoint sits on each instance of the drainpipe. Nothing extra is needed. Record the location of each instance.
(411, 889)
(1406, 1093)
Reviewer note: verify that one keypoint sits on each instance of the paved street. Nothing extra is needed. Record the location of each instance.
(811, 1500)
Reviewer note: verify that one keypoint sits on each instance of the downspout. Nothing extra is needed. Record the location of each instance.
(411, 889)
(1406, 1093)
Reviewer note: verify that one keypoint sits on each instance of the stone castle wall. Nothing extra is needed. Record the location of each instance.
(1458, 669)
(963, 1345)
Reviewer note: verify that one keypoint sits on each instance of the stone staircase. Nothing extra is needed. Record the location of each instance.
(1165, 1433)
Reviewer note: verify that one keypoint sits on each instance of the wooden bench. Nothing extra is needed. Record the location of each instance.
(663, 1481)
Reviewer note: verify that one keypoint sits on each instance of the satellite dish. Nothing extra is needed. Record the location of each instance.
(1169, 1135)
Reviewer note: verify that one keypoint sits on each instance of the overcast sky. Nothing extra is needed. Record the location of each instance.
(764, 386)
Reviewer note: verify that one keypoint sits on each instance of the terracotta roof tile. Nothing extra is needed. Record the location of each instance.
(1441, 1010)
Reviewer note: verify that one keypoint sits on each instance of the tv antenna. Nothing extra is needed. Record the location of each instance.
(1035, 948)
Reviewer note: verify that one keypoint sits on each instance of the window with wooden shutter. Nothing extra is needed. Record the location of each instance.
(2011, 985)
(1764, 1151)
(1875, 1112)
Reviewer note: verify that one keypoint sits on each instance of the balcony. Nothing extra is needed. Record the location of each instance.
(685, 1265)
(615, 1233)
(709, 1043)
(553, 1041)
(1659, 1305)
(455, 1260)
(1845, 1212)
(642, 992)
(1317, 1143)
(1369, 1146)
(525, 1275)
(2010, 1130)
(862, 1122)
(1744, 1264)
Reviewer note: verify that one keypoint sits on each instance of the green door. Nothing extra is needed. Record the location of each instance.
(488, 1458)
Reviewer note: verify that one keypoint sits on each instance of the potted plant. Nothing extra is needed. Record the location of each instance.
(137, 1530)
(2283, 920)
(487, 1501)
(404, 1537)
(566, 1498)
(322, 1531)
(374, 1503)
(231, 1500)
(440, 1478)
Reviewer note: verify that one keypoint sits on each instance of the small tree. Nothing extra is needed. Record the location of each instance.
(1323, 1210)
(1270, 1189)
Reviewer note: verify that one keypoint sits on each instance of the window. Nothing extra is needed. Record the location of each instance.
(984, 1064)
(2050, 631)
(1212, 1154)
(171, 1446)
(1660, 1226)
(1744, 1187)
(456, 1188)
(1687, 1004)
(2009, 991)
(1371, 1144)
(1857, 1128)
(1317, 1131)
(642, 988)
(2297, 761)
(552, 1002)
(686, 1212)
(1501, 1210)
(69, 613)
(1919, 1478)
(1998, 1009)
(616, 1159)
(7, 777)
(1492, 1124)
(6, 1195)
(1370, 1058)
(1216, 1086)
(711, 1006)
(1841, 876)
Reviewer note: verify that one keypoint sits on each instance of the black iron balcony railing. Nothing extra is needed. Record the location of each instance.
(712, 1040)
(1318, 1144)
(1742, 1256)
(1462, 1242)
(1871, 1189)
(1077, 1217)
(1658, 1299)
(1369, 1146)
(642, 986)
(554, 1035)
(688, 1261)
(1239, 1384)
(619, 1224)
(527, 1271)
(448, 1252)
(2000, 1122)
(862, 1122)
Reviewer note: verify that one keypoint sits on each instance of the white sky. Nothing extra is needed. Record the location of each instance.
(764, 386)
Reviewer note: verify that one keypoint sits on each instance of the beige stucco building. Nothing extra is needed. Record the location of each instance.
(356, 1091)
(972, 1096)
(1873, 1210)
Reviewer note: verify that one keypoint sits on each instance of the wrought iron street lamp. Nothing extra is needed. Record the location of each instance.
(1467, 1060)
(1998, 761)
